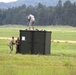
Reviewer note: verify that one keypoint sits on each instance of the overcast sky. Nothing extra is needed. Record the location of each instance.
(6, 1)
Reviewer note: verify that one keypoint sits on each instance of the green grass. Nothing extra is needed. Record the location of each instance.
(63, 49)
(62, 60)
(36, 65)
(58, 32)
(62, 35)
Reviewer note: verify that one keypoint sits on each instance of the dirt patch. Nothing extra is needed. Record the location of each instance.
(5, 38)
(63, 41)
(59, 41)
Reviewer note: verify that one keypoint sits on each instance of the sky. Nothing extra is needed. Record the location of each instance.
(6, 1)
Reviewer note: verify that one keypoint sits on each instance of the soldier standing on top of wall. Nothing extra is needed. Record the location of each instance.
(31, 20)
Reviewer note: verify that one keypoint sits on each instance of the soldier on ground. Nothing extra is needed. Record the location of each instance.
(11, 43)
(17, 45)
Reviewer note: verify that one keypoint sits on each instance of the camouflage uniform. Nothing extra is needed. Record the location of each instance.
(17, 45)
(31, 19)
(11, 43)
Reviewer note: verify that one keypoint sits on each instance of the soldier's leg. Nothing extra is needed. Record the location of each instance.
(29, 25)
(11, 49)
(33, 25)
(17, 49)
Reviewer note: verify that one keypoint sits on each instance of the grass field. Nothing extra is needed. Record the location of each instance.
(58, 32)
(62, 60)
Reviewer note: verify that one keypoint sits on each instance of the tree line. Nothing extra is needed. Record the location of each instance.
(61, 14)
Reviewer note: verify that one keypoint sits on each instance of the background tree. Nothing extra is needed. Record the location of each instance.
(61, 14)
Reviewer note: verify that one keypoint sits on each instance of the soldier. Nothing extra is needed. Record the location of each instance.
(11, 43)
(31, 19)
(17, 45)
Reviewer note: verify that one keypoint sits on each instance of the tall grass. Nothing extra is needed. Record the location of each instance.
(37, 65)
